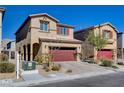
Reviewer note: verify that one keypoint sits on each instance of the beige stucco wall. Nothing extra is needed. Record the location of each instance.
(36, 33)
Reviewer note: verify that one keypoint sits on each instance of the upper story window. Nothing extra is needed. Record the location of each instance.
(63, 31)
(9, 45)
(107, 34)
(44, 25)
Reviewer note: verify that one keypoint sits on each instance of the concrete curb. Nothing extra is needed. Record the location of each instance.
(60, 79)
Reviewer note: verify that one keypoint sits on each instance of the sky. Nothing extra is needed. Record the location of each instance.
(79, 16)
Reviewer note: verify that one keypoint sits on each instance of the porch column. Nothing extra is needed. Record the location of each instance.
(78, 51)
(43, 48)
(115, 54)
(47, 48)
(95, 54)
(31, 52)
(9, 55)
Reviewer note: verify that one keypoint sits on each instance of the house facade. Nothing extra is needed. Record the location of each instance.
(106, 30)
(8, 48)
(2, 10)
(120, 45)
(42, 33)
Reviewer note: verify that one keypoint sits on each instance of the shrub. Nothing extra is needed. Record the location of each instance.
(69, 71)
(6, 67)
(106, 63)
(115, 67)
(3, 57)
(56, 67)
(43, 58)
(120, 63)
(47, 69)
(92, 62)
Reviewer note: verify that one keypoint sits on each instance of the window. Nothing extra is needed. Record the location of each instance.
(44, 25)
(63, 31)
(12, 55)
(107, 34)
(9, 45)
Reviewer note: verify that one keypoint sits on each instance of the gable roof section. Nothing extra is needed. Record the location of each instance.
(92, 27)
(44, 14)
(33, 16)
(107, 23)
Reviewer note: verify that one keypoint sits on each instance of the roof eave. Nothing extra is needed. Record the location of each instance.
(44, 14)
(65, 25)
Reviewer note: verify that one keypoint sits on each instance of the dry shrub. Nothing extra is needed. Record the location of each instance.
(3, 57)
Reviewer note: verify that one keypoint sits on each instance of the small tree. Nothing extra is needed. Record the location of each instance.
(97, 41)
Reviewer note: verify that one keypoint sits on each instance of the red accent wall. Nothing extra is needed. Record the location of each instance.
(63, 55)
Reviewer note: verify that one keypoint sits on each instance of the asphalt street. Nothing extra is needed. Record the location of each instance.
(109, 80)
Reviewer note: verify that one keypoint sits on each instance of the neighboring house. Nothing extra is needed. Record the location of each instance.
(120, 43)
(2, 10)
(106, 30)
(9, 49)
(4, 43)
(42, 33)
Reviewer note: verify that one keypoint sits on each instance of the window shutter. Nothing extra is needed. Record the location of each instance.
(68, 31)
(111, 35)
(58, 30)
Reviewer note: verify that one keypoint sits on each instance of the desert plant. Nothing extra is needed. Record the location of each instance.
(56, 67)
(69, 71)
(78, 55)
(44, 58)
(106, 63)
(115, 67)
(47, 69)
(6, 67)
(3, 57)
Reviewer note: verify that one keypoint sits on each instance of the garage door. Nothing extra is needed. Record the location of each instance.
(63, 55)
(105, 54)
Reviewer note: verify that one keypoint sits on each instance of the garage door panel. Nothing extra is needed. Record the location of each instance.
(63, 55)
(104, 54)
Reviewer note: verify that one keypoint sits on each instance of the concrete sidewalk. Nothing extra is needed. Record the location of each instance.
(59, 79)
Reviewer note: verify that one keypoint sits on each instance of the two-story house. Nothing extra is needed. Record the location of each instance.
(106, 30)
(42, 33)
